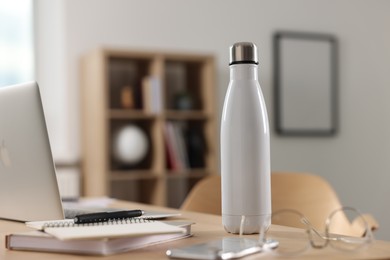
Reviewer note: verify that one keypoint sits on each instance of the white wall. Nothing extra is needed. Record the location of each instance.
(356, 161)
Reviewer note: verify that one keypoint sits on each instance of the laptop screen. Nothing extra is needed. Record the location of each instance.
(28, 184)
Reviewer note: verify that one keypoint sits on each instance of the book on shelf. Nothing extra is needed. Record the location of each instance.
(170, 153)
(181, 144)
(176, 146)
(141, 235)
(152, 94)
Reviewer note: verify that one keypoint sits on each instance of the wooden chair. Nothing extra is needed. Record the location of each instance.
(309, 194)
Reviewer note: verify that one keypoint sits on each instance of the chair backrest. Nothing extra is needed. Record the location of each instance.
(205, 196)
(309, 194)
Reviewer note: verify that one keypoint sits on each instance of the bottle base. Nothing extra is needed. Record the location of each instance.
(250, 224)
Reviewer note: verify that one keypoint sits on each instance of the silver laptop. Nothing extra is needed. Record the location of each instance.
(28, 184)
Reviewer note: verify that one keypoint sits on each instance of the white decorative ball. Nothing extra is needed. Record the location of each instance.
(130, 145)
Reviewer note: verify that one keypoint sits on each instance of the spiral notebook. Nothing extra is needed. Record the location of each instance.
(68, 230)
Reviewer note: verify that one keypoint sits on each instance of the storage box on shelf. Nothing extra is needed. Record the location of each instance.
(149, 129)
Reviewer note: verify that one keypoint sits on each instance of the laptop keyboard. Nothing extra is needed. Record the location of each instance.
(73, 212)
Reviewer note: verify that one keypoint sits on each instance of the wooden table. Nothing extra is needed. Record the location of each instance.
(207, 228)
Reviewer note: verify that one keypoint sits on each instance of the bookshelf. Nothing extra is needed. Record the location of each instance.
(159, 102)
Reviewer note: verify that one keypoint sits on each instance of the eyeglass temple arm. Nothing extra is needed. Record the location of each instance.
(371, 222)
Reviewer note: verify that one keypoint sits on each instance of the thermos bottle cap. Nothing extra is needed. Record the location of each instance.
(243, 52)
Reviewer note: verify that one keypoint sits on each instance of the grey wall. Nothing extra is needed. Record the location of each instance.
(356, 161)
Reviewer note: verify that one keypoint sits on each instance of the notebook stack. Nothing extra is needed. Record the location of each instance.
(104, 238)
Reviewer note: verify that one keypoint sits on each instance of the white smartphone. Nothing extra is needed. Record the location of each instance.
(226, 248)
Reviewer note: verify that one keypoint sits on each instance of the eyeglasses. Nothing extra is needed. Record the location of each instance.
(339, 232)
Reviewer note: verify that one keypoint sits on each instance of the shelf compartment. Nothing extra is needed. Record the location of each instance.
(125, 80)
(183, 84)
(186, 145)
(134, 190)
(178, 189)
(146, 127)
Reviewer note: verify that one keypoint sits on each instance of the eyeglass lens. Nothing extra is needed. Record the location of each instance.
(347, 229)
(298, 232)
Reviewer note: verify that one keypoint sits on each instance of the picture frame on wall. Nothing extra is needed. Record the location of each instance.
(305, 78)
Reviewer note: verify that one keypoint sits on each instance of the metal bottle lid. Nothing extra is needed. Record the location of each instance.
(243, 52)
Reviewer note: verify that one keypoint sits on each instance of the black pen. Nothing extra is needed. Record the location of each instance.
(106, 216)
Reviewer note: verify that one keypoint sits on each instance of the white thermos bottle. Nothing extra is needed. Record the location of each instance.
(245, 146)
